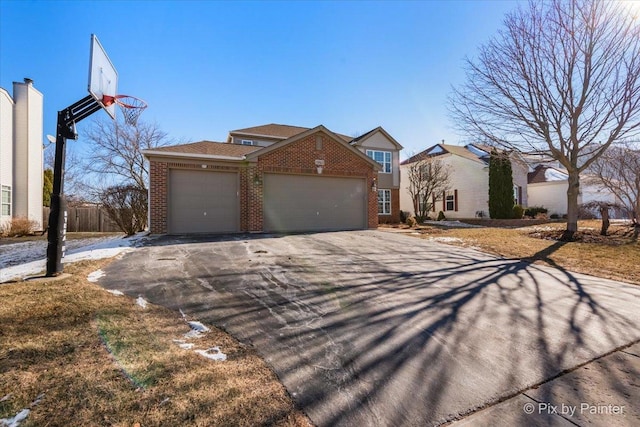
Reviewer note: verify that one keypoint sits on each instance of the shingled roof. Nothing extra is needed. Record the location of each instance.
(209, 148)
(274, 130)
(442, 149)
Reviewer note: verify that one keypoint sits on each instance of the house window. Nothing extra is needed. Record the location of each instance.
(517, 194)
(6, 200)
(247, 142)
(382, 157)
(384, 202)
(450, 201)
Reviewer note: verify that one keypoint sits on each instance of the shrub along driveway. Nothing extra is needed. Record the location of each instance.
(372, 328)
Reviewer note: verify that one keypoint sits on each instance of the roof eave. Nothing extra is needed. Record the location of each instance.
(155, 153)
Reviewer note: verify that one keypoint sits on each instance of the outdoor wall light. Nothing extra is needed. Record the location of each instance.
(374, 186)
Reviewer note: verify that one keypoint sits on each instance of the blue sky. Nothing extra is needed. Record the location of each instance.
(208, 67)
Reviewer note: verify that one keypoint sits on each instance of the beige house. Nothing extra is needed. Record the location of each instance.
(468, 193)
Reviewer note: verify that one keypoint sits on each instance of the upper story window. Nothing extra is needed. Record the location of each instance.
(382, 157)
(6, 200)
(247, 142)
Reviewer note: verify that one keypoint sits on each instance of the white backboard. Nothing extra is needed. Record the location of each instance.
(103, 77)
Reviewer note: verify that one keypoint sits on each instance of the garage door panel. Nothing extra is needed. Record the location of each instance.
(313, 203)
(203, 202)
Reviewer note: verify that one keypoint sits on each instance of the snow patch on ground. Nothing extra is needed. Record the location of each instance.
(197, 326)
(198, 330)
(15, 421)
(452, 224)
(27, 258)
(95, 276)
(142, 302)
(212, 353)
(115, 292)
(446, 239)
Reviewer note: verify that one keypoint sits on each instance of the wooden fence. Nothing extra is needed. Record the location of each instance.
(85, 219)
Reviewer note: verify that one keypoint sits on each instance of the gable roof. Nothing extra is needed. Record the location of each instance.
(443, 149)
(319, 128)
(544, 173)
(278, 131)
(360, 139)
(204, 148)
(271, 130)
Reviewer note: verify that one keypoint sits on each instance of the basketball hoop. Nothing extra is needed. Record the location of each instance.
(130, 106)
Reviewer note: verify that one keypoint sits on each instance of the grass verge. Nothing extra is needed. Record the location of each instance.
(614, 257)
(95, 358)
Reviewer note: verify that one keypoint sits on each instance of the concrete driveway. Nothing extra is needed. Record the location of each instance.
(373, 328)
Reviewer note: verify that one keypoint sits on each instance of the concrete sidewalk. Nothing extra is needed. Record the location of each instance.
(604, 392)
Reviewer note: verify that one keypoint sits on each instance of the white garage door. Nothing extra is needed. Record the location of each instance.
(313, 203)
(203, 202)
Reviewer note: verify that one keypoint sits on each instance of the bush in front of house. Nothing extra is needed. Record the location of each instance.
(518, 211)
(441, 216)
(18, 227)
(534, 211)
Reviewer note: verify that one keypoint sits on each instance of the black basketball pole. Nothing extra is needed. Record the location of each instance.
(65, 129)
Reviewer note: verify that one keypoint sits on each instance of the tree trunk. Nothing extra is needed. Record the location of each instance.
(572, 205)
(604, 212)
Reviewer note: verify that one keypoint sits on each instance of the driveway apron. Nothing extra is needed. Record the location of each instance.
(372, 328)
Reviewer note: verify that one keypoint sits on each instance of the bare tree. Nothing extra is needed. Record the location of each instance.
(75, 182)
(126, 205)
(427, 178)
(618, 170)
(563, 78)
(116, 150)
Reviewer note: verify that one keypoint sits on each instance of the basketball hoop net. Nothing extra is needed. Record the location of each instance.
(130, 106)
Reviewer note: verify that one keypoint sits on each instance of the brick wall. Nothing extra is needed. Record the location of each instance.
(298, 158)
(159, 177)
(395, 209)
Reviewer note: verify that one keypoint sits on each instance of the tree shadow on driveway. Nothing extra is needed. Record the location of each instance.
(367, 328)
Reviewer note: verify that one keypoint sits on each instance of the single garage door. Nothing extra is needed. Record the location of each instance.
(313, 203)
(203, 202)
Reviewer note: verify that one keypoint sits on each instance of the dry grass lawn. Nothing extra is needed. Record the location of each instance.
(75, 354)
(614, 257)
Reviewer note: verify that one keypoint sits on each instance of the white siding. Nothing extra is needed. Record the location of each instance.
(551, 195)
(519, 171)
(6, 143)
(27, 152)
(469, 177)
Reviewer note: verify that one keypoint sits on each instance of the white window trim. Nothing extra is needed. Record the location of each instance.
(386, 201)
(371, 154)
(2, 203)
(246, 142)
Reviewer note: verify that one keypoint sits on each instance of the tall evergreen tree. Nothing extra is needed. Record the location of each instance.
(500, 186)
(47, 187)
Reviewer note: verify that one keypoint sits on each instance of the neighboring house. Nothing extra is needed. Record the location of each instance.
(548, 185)
(271, 178)
(468, 194)
(21, 159)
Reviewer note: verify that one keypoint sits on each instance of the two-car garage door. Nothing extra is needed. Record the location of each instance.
(313, 203)
(203, 202)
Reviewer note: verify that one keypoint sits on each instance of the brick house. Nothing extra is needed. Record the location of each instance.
(271, 178)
